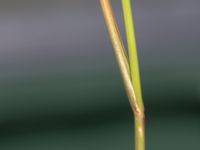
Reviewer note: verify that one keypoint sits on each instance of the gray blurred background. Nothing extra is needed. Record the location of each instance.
(60, 87)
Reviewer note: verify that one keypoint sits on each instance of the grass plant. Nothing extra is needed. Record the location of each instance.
(129, 66)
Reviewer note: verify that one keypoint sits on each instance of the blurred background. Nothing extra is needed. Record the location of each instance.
(60, 87)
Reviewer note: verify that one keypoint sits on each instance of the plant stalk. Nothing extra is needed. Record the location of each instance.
(119, 52)
(135, 73)
(130, 75)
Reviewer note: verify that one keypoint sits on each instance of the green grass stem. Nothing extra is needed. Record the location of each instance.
(135, 73)
(129, 71)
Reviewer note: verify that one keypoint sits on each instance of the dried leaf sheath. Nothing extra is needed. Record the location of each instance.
(130, 77)
(119, 53)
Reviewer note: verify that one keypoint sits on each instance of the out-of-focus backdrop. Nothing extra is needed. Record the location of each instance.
(60, 88)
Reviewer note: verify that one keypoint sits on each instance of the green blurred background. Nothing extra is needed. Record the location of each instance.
(60, 87)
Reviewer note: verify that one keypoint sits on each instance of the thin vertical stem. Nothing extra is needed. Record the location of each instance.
(130, 78)
(114, 31)
(119, 52)
(132, 49)
(135, 74)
